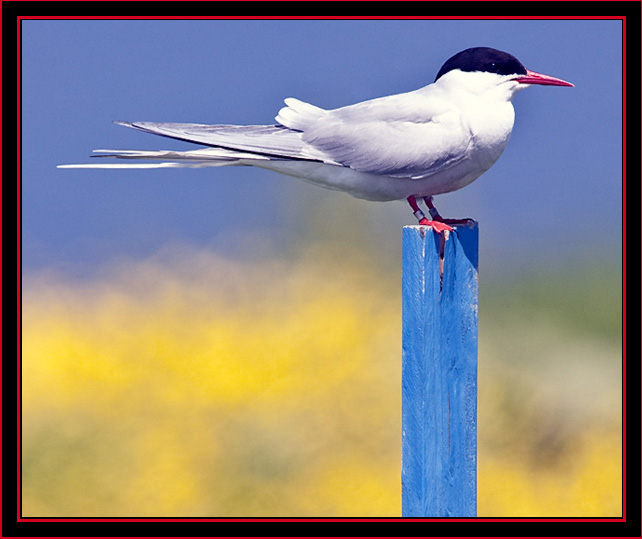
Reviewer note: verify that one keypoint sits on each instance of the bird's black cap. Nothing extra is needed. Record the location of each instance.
(483, 59)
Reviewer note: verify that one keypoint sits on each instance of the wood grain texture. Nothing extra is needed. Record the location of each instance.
(439, 373)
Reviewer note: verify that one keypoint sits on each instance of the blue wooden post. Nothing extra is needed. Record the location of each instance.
(439, 372)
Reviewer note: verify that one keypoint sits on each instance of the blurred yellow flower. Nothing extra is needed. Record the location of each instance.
(190, 385)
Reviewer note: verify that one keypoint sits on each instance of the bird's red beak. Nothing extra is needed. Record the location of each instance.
(537, 78)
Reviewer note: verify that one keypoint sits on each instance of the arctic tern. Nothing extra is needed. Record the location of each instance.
(413, 145)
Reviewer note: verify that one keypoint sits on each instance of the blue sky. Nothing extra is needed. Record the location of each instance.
(554, 194)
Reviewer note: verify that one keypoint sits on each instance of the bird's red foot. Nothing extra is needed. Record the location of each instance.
(437, 226)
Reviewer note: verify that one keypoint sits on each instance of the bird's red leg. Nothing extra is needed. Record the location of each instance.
(435, 214)
(432, 210)
(437, 225)
(420, 215)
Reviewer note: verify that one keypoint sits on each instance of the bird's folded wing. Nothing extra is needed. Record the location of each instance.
(405, 136)
(265, 140)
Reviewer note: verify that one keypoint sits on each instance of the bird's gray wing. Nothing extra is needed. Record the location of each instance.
(275, 141)
(404, 136)
(411, 135)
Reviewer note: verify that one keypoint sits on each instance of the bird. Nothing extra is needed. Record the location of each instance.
(410, 146)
